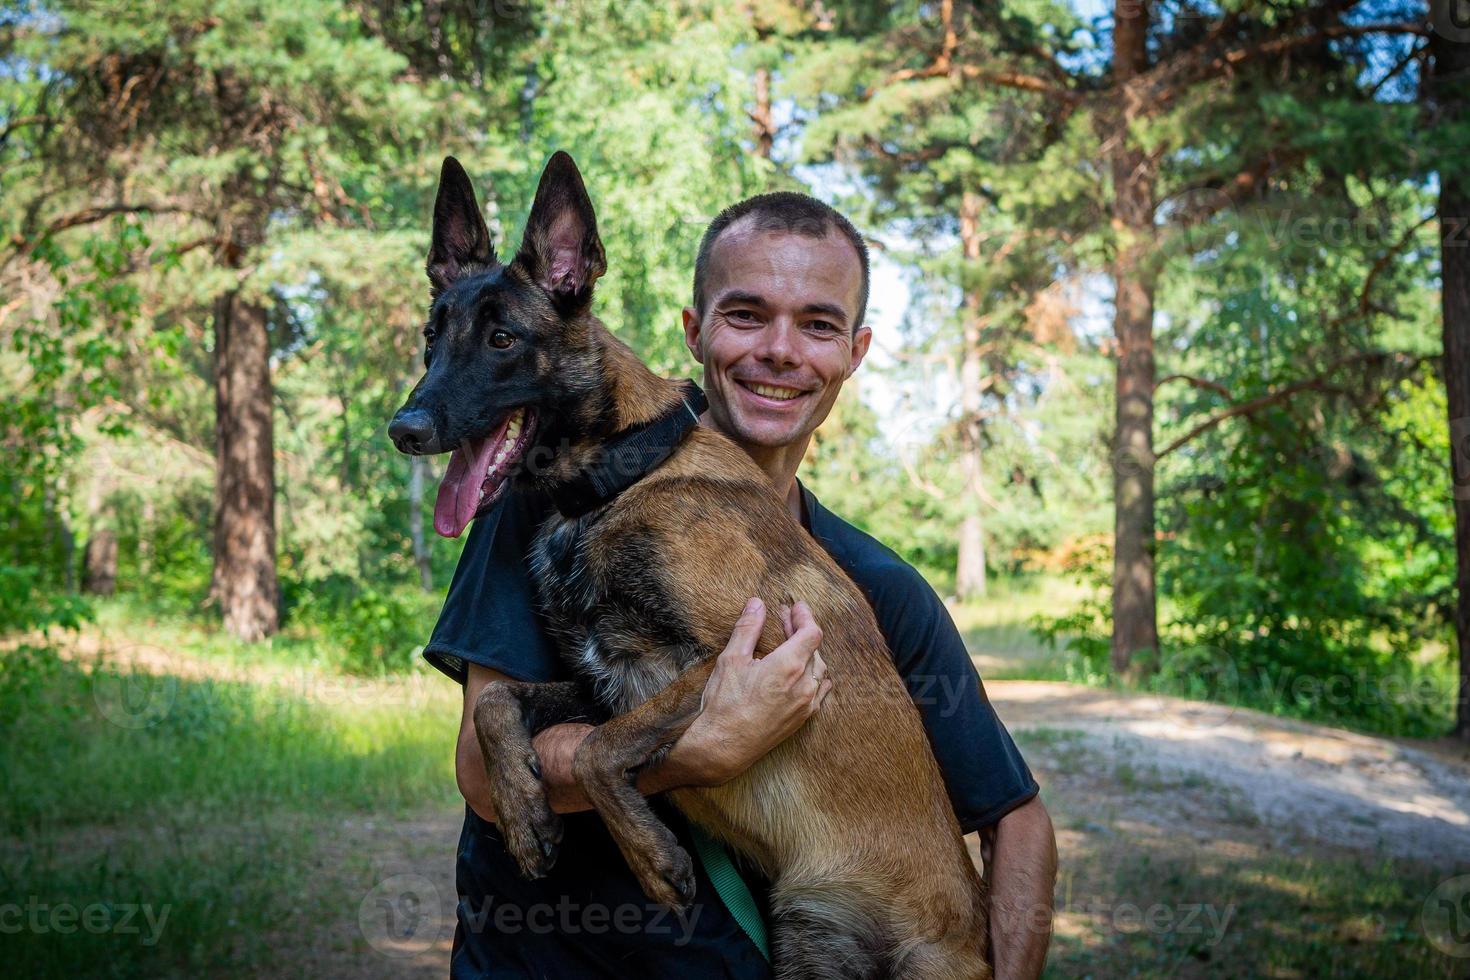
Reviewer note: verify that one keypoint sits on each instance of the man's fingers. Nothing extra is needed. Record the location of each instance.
(822, 690)
(800, 646)
(801, 616)
(747, 630)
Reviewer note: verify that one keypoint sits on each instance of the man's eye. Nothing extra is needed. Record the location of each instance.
(823, 326)
(502, 339)
(741, 316)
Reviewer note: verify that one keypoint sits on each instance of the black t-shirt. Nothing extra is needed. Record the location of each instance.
(588, 917)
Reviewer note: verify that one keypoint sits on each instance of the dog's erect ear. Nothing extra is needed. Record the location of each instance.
(461, 243)
(560, 250)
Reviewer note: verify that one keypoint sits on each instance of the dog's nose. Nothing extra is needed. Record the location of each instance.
(411, 431)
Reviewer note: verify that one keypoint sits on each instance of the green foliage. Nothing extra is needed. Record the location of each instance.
(290, 150)
(373, 630)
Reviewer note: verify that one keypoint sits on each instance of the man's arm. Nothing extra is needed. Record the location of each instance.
(1021, 863)
(750, 706)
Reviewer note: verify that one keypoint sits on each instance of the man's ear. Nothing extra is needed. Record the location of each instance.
(560, 250)
(861, 340)
(691, 333)
(461, 243)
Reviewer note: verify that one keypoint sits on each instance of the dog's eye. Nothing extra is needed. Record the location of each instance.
(502, 339)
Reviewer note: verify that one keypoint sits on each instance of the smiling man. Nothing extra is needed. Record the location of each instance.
(780, 290)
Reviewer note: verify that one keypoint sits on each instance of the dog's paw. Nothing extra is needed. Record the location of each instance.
(667, 877)
(531, 829)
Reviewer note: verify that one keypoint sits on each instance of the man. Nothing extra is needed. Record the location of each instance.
(780, 289)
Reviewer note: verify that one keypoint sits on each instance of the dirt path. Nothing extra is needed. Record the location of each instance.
(1302, 783)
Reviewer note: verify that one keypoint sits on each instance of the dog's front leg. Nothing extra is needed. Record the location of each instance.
(606, 765)
(507, 715)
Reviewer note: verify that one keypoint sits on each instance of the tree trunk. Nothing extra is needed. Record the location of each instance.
(970, 568)
(417, 467)
(765, 129)
(145, 540)
(245, 483)
(99, 557)
(99, 576)
(1135, 612)
(1450, 45)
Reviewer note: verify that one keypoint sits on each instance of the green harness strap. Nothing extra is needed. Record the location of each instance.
(733, 890)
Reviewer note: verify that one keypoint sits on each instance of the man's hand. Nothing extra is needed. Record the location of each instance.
(750, 705)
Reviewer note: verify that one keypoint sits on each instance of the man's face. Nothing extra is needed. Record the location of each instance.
(776, 339)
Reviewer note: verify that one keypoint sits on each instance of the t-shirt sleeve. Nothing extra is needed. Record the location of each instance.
(983, 770)
(490, 616)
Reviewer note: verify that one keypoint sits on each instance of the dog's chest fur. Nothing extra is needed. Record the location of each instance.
(607, 603)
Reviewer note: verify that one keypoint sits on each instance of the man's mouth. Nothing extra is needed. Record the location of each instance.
(479, 471)
(772, 392)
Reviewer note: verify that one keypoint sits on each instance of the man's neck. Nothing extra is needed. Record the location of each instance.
(779, 464)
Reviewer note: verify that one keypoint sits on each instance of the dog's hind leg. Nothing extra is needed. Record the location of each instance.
(507, 715)
(606, 764)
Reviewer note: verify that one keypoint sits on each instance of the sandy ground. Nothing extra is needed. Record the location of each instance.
(1303, 783)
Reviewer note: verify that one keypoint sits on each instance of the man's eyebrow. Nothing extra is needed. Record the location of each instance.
(828, 309)
(740, 297)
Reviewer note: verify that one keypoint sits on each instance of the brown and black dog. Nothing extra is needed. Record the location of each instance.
(849, 817)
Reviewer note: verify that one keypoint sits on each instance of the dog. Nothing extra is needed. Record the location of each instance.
(848, 817)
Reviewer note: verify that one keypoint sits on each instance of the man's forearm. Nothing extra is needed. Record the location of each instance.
(556, 747)
(1023, 871)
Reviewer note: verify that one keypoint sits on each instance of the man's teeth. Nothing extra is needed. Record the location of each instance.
(768, 391)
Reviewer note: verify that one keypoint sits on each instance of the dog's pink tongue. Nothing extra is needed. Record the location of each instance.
(459, 494)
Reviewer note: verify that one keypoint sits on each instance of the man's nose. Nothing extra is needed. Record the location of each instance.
(779, 344)
(412, 431)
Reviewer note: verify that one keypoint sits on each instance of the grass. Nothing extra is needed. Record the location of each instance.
(1143, 915)
(200, 800)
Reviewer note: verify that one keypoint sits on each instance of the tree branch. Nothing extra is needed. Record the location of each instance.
(88, 216)
(1023, 82)
(14, 124)
(1318, 383)
(1365, 304)
(1168, 79)
(1233, 189)
(1190, 379)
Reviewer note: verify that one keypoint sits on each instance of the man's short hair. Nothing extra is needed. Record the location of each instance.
(788, 211)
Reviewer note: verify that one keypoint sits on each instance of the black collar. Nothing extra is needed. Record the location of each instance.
(628, 456)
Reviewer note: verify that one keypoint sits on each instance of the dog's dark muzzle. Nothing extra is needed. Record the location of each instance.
(412, 431)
